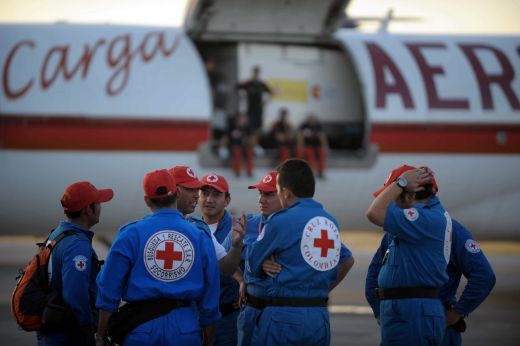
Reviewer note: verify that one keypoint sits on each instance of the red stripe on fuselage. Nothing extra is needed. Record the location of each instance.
(447, 138)
(81, 133)
(77, 133)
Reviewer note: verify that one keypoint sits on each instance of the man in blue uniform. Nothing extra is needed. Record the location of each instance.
(252, 288)
(74, 265)
(466, 259)
(188, 186)
(414, 266)
(305, 242)
(161, 261)
(252, 292)
(214, 197)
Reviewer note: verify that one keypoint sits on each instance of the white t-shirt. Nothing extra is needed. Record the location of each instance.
(219, 249)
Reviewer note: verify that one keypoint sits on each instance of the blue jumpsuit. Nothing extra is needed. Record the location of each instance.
(163, 256)
(417, 255)
(256, 285)
(226, 333)
(466, 259)
(305, 241)
(74, 270)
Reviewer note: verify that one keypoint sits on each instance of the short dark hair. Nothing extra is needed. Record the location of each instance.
(297, 176)
(76, 214)
(164, 202)
(426, 193)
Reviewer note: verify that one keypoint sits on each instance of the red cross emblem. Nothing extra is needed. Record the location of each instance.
(190, 172)
(324, 243)
(212, 178)
(168, 255)
(411, 213)
(81, 264)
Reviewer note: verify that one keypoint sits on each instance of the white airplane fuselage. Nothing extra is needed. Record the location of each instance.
(108, 104)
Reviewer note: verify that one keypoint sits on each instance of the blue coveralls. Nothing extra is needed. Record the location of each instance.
(226, 333)
(74, 271)
(163, 256)
(417, 255)
(305, 241)
(466, 259)
(256, 285)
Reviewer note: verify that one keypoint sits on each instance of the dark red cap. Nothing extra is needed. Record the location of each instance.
(267, 184)
(185, 176)
(81, 194)
(215, 181)
(396, 173)
(158, 184)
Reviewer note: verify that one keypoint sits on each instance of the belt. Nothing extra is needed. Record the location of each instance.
(226, 309)
(407, 292)
(255, 302)
(261, 303)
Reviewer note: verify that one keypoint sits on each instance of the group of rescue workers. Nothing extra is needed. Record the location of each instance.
(175, 279)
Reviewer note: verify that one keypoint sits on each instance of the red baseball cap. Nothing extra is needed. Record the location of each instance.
(185, 177)
(158, 184)
(215, 181)
(396, 173)
(267, 184)
(81, 194)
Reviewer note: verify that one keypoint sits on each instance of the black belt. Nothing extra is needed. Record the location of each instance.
(407, 292)
(226, 309)
(261, 303)
(257, 303)
(133, 314)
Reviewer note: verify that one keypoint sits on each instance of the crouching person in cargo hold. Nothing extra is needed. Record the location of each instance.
(165, 271)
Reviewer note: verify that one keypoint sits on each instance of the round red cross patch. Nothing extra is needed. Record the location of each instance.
(168, 255)
(320, 245)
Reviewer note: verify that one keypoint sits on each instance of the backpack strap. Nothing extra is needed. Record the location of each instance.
(64, 234)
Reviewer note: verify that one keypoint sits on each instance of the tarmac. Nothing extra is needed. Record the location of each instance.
(496, 321)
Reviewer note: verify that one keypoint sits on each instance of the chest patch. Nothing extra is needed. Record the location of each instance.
(320, 244)
(80, 263)
(472, 246)
(168, 255)
(411, 214)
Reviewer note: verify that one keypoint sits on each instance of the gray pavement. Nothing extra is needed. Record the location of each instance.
(495, 322)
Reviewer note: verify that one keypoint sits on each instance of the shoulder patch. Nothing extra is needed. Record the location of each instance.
(80, 263)
(168, 255)
(472, 246)
(411, 214)
(320, 244)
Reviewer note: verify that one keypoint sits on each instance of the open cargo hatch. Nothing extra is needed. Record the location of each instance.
(302, 21)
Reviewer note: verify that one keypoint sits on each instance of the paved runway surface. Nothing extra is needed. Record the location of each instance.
(496, 322)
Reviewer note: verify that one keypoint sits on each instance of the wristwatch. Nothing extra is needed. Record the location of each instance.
(401, 182)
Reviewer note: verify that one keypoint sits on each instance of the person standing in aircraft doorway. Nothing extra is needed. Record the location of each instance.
(256, 92)
(312, 144)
